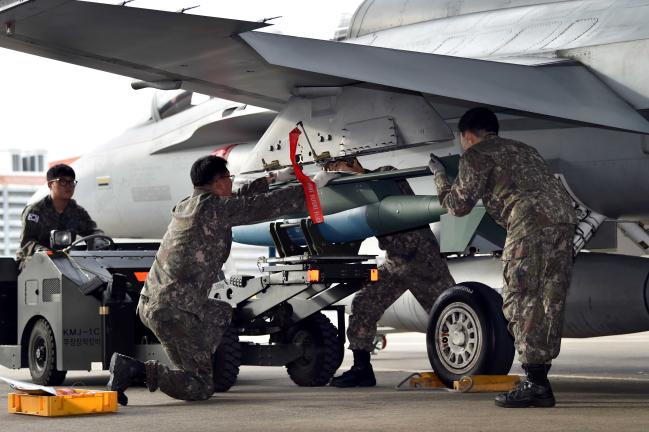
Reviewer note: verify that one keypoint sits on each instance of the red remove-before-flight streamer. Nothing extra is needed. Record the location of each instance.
(310, 189)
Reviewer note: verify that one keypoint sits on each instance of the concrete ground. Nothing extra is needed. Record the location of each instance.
(601, 384)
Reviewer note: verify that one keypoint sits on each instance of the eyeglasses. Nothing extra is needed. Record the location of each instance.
(65, 182)
(231, 177)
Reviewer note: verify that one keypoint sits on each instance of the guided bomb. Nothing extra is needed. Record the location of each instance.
(357, 207)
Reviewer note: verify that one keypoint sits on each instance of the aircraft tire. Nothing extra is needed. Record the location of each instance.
(41, 355)
(467, 334)
(323, 353)
(227, 360)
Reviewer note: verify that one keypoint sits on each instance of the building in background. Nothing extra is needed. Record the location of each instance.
(22, 172)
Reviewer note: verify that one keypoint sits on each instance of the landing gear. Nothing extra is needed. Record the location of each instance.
(467, 334)
(42, 355)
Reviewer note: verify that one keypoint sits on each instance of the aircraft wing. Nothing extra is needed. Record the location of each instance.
(225, 58)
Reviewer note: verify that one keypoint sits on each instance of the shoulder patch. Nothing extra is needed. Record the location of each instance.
(33, 217)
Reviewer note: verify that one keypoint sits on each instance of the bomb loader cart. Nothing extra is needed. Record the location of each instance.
(286, 303)
(71, 308)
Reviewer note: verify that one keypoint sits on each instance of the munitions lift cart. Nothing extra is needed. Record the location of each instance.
(286, 302)
(71, 309)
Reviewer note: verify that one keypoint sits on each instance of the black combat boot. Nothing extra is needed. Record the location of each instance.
(533, 391)
(124, 371)
(360, 375)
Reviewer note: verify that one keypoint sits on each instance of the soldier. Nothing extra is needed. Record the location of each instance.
(57, 211)
(174, 302)
(406, 267)
(522, 195)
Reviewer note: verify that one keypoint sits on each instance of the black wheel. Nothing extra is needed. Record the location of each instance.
(467, 334)
(42, 356)
(323, 353)
(227, 360)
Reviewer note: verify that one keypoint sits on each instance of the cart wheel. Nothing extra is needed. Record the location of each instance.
(227, 360)
(467, 334)
(42, 356)
(322, 351)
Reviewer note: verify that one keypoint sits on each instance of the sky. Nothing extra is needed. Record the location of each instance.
(67, 109)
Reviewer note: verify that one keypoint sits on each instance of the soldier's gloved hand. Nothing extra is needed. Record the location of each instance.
(41, 249)
(435, 165)
(282, 176)
(99, 243)
(322, 178)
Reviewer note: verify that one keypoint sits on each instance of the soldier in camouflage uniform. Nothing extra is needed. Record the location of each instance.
(57, 211)
(522, 195)
(174, 302)
(425, 274)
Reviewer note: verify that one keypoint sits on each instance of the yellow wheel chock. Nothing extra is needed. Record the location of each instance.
(486, 383)
(421, 380)
(467, 384)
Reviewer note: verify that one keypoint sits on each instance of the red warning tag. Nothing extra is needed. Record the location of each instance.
(310, 189)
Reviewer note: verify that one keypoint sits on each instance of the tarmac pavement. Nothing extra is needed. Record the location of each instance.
(601, 384)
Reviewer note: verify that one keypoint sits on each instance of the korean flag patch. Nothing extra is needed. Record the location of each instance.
(33, 217)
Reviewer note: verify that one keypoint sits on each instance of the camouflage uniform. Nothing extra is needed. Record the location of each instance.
(412, 262)
(174, 302)
(41, 217)
(522, 195)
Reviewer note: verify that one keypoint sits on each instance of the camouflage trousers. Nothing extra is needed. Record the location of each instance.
(537, 276)
(190, 342)
(426, 281)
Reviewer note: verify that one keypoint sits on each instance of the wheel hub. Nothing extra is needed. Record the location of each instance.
(459, 337)
(304, 339)
(40, 354)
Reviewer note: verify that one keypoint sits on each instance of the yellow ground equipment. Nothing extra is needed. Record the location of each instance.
(468, 384)
(75, 402)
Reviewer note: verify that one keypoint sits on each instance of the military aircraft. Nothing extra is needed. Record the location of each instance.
(564, 76)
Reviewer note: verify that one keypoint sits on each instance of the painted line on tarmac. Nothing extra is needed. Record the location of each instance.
(599, 378)
(581, 377)
(398, 370)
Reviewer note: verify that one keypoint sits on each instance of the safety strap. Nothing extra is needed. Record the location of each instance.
(310, 189)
